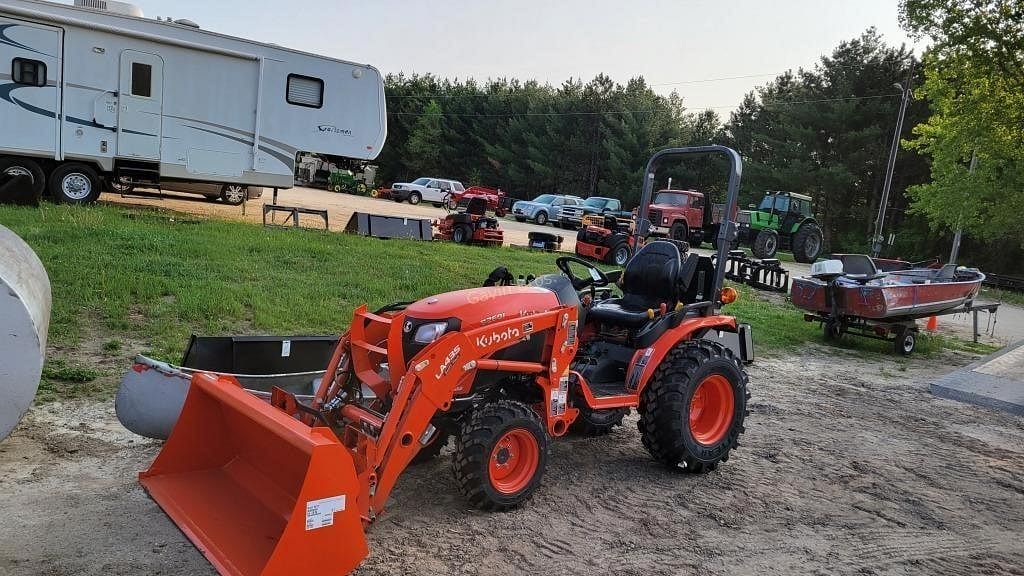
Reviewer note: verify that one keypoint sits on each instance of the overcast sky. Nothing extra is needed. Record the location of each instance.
(687, 45)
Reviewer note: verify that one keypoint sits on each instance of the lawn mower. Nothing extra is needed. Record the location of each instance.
(471, 225)
(605, 238)
(289, 486)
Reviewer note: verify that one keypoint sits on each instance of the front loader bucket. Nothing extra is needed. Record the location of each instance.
(257, 491)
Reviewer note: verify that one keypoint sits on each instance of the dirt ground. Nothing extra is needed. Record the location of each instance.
(339, 207)
(848, 466)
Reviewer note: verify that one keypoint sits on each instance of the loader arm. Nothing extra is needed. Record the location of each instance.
(448, 367)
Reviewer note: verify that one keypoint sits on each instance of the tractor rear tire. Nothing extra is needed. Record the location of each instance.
(682, 423)
(766, 244)
(807, 243)
(500, 455)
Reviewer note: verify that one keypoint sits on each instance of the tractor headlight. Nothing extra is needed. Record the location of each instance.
(664, 220)
(427, 333)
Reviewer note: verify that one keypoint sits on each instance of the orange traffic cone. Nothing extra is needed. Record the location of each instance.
(933, 324)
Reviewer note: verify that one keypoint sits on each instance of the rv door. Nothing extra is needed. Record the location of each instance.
(140, 105)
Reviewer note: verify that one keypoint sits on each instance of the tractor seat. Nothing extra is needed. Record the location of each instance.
(654, 276)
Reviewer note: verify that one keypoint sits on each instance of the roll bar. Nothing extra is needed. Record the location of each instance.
(726, 232)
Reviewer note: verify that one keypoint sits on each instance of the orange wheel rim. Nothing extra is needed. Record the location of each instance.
(711, 410)
(513, 461)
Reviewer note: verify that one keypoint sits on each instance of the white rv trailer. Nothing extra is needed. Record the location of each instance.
(94, 93)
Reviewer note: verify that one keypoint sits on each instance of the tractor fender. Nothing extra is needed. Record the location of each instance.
(646, 360)
(797, 225)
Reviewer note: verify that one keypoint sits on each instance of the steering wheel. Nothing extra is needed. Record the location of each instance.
(597, 276)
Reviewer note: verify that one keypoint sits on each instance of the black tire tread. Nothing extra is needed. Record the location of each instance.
(660, 432)
(53, 182)
(473, 451)
(800, 239)
(760, 249)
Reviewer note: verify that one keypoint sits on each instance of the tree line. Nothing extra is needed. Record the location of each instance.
(824, 131)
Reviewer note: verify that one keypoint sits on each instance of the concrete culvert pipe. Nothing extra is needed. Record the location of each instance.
(24, 320)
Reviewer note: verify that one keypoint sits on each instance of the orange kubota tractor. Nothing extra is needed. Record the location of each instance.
(288, 487)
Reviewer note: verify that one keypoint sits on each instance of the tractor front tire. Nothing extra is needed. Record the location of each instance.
(766, 244)
(692, 411)
(500, 455)
(807, 243)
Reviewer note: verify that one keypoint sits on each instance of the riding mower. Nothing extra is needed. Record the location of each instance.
(289, 486)
(606, 239)
(471, 226)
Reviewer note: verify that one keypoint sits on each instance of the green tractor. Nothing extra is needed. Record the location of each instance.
(346, 181)
(782, 220)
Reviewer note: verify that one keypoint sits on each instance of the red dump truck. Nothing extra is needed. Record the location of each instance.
(685, 215)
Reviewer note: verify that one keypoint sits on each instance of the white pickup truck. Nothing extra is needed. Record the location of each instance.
(435, 190)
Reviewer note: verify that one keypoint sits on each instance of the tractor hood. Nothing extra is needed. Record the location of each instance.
(479, 306)
(466, 310)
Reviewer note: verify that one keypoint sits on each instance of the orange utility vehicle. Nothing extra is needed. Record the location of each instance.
(288, 487)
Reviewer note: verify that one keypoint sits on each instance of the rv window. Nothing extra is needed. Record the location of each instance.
(30, 72)
(142, 80)
(305, 91)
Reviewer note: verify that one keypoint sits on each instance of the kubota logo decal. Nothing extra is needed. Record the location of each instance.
(509, 334)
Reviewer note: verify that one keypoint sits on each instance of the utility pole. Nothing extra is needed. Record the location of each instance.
(879, 240)
(955, 252)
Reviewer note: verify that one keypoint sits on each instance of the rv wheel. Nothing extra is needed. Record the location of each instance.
(74, 184)
(24, 167)
(233, 195)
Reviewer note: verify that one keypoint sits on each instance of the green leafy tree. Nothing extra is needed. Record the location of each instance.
(826, 132)
(975, 85)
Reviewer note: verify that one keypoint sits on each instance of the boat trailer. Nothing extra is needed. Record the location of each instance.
(902, 332)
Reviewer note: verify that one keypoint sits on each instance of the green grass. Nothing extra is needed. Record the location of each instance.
(130, 275)
(62, 380)
(999, 295)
